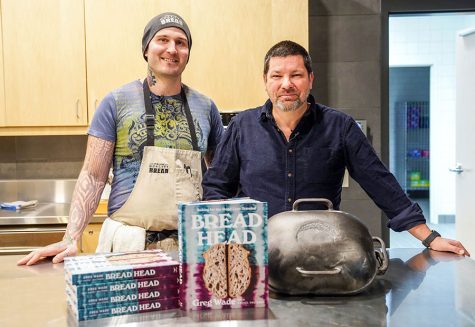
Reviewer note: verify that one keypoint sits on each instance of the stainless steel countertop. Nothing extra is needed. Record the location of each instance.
(42, 214)
(417, 290)
(54, 196)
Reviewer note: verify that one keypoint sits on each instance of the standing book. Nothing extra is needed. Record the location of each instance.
(223, 254)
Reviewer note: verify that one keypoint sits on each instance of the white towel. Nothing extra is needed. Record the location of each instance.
(118, 237)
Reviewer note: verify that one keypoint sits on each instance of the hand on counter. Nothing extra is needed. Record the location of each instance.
(448, 245)
(422, 231)
(58, 250)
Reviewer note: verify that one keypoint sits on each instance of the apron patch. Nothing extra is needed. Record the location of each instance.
(158, 168)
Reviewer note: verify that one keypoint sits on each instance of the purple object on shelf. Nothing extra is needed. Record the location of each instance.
(413, 117)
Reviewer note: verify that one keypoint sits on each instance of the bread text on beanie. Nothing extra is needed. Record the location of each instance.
(160, 22)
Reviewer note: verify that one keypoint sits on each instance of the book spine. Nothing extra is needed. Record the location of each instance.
(161, 282)
(123, 309)
(181, 250)
(102, 299)
(125, 274)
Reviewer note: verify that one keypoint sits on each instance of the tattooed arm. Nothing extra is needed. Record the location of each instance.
(86, 196)
(89, 186)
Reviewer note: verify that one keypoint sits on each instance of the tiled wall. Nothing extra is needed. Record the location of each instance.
(38, 157)
(345, 38)
(430, 40)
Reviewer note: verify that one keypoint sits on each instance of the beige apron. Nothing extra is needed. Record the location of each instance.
(166, 177)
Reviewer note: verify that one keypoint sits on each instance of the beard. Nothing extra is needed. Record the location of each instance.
(288, 107)
(291, 106)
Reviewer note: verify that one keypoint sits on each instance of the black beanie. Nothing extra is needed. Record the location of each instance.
(160, 22)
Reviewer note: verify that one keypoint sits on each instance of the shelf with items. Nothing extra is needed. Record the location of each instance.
(413, 147)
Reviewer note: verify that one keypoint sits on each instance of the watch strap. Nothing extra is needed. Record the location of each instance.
(430, 238)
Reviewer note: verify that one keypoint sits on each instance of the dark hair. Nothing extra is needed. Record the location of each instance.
(288, 48)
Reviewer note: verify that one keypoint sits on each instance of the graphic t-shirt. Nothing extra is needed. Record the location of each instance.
(121, 118)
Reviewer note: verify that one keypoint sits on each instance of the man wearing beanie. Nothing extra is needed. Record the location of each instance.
(157, 134)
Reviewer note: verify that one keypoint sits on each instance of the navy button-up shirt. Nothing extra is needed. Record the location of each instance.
(254, 159)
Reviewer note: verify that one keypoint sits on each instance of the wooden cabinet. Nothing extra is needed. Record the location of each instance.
(89, 238)
(48, 45)
(230, 40)
(2, 90)
(44, 63)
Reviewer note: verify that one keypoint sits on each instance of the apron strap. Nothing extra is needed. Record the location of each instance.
(189, 118)
(150, 117)
(149, 114)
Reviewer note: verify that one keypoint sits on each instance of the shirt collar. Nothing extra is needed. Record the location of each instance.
(312, 112)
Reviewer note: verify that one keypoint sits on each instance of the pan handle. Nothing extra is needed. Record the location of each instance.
(311, 273)
(328, 203)
(381, 256)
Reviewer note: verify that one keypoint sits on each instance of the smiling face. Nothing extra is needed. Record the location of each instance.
(288, 82)
(167, 53)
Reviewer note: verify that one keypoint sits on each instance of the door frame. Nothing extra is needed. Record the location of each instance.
(404, 7)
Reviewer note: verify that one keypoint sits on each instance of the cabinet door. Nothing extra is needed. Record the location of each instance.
(90, 238)
(44, 62)
(230, 40)
(2, 94)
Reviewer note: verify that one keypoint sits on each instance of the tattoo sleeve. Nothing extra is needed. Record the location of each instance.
(90, 184)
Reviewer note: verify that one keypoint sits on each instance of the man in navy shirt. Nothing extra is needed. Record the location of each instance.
(293, 148)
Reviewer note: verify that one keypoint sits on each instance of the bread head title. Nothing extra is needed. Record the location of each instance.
(213, 228)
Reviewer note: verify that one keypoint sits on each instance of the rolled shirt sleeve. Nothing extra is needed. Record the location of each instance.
(379, 183)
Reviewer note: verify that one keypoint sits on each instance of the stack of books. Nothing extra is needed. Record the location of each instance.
(223, 254)
(112, 284)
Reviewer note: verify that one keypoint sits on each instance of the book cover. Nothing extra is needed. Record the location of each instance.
(223, 254)
(106, 298)
(118, 309)
(100, 268)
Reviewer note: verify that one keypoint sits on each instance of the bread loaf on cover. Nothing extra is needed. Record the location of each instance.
(214, 272)
(227, 271)
(239, 270)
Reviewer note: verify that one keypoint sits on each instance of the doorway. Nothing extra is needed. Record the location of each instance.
(422, 89)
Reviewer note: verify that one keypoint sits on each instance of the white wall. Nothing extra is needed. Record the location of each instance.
(430, 40)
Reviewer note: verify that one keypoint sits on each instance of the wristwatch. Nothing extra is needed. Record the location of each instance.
(430, 238)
